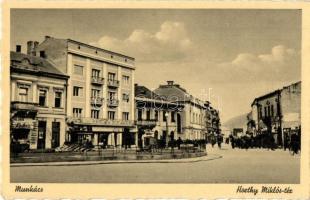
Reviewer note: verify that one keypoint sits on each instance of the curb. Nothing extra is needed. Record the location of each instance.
(74, 163)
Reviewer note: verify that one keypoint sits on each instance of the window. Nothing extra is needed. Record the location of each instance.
(164, 116)
(77, 91)
(58, 99)
(111, 76)
(156, 115)
(95, 114)
(23, 94)
(126, 80)
(125, 116)
(260, 112)
(268, 111)
(78, 69)
(112, 95)
(272, 111)
(95, 93)
(172, 117)
(95, 73)
(139, 115)
(265, 108)
(111, 115)
(126, 97)
(148, 115)
(77, 112)
(42, 98)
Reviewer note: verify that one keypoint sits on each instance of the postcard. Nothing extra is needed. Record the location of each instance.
(151, 100)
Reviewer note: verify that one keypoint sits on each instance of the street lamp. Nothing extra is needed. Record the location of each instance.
(166, 115)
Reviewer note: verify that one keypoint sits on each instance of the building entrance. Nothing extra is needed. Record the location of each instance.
(41, 134)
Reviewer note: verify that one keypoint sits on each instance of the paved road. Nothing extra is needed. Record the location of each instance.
(236, 166)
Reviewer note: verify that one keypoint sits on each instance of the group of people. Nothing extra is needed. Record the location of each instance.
(266, 141)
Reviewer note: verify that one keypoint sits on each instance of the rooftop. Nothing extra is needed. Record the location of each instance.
(40, 64)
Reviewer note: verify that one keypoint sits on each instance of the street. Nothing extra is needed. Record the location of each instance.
(235, 166)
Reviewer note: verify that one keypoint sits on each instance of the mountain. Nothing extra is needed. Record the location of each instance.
(236, 122)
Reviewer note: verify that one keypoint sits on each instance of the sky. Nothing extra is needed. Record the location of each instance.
(227, 56)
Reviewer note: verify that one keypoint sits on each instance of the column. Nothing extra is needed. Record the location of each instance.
(62, 132)
(119, 139)
(104, 91)
(119, 92)
(48, 133)
(34, 92)
(69, 86)
(87, 88)
(110, 138)
(13, 90)
(95, 142)
(132, 96)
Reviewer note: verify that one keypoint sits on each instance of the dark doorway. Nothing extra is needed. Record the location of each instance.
(103, 140)
(41, 134)
(179, 127)
(55, 134)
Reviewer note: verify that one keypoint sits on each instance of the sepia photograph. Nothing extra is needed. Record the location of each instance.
(155, 96)
(155, 100)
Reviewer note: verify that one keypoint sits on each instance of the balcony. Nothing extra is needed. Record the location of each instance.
(28, 106)
(112, 102)
(96, 101)
(97, 80)
(113, 83)
(100, 122)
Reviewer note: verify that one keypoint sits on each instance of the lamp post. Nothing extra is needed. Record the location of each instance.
(166, 115)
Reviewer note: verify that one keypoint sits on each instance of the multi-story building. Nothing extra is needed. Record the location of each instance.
(156, 118)
(100, 100)
(192, 114)
(277, 113)
(212, 121)
(38, 105)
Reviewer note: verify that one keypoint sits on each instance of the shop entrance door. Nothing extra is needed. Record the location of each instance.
(41, 134)
(55, 134)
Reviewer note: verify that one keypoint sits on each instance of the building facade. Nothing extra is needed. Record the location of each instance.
(156, 119)
(277, 113)
(100, 92)
(38, 106)
(192, 114)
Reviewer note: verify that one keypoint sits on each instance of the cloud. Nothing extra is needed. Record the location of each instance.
(280, 64)
(171, 42)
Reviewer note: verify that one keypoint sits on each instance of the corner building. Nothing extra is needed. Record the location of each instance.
(193, 112)
(38, 92)
(100, 100)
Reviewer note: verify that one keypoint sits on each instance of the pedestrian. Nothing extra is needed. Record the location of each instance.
(179, 142)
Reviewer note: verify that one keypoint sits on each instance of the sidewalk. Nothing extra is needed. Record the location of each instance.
(208, 157)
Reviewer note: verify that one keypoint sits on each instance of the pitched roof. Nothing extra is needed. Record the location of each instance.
(144, 92)
(42, 64)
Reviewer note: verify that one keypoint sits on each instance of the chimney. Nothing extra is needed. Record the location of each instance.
(29, 47)
(170, 82)
(47, 37)
(35, 46)
(18, 48)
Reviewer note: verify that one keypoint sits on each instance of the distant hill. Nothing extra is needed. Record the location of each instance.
(236, 122)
